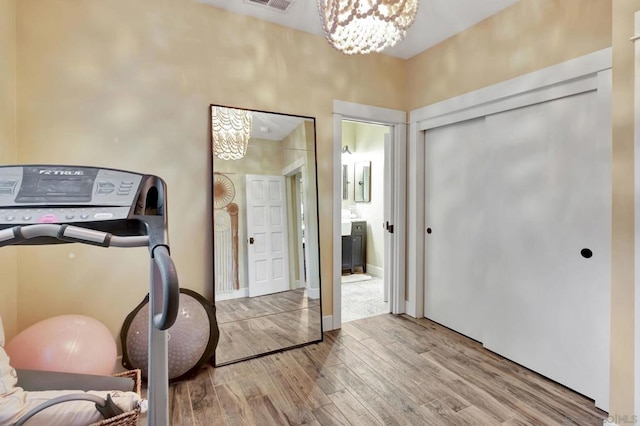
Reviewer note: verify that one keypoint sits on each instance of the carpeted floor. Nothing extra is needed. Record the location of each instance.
(362, 299)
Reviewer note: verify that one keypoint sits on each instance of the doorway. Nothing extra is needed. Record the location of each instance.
(388, 176)
(363, 166)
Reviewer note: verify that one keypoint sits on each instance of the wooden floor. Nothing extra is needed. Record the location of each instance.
(251, 326)
(390, 370)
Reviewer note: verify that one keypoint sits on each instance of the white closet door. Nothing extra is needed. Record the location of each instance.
(548, 193)
(455, 214)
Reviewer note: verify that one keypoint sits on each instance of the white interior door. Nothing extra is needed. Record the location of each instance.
(548, 192)
(267, 255)
(455, 221)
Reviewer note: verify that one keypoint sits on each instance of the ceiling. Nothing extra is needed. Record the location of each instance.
(436, 21)
(274, 127)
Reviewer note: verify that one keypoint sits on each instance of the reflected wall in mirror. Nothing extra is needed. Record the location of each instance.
(266, 258)
(363, 181)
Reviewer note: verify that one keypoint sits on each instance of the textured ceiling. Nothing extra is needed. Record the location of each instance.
(437, 20)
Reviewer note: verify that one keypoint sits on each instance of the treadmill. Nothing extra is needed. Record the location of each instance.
(57, 204)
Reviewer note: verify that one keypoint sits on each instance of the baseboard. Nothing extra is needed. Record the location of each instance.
(327, 323)
(313, 293)
(410, 309)
(235, 294)
(375, 271)
(119, 368)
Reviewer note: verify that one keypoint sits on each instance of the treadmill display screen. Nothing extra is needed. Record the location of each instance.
(56, 184)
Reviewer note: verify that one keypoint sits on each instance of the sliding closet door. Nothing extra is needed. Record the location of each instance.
(547, 284)
(455, 215)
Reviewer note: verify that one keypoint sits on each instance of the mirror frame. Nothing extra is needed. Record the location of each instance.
(211, 176)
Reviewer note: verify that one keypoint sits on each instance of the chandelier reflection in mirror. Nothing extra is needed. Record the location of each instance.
(231, 130)
(365, 26)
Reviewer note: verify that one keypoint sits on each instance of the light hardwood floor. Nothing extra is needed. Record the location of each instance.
(390, 370)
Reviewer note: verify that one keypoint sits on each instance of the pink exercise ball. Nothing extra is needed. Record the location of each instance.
(67, 343)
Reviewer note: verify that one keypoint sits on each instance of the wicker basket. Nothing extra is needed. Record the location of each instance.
(130, 418)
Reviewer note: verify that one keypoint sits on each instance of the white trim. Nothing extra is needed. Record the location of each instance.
(415, 223)
(337, 234)
(347, 110)
(398, 297)
(313, 293)
(235, 294)
(327, 323)
(568, 70)
(535, 96)
(533, 86)
(293, 168)
(375, 271)
(369, 113)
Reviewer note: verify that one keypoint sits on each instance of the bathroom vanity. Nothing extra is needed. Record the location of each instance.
(354, 247)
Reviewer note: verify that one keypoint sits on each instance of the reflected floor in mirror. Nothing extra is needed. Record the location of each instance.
(385, 369)
(252, 326)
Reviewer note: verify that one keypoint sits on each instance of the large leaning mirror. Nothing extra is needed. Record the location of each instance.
(266, 258)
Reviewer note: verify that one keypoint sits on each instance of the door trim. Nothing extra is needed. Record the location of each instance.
(397, 120)
(537, 86)
(551, 76)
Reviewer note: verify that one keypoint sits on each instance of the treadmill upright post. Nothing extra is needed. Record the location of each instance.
(158, 372)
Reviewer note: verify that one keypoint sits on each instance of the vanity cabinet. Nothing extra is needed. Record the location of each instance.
(354, 247)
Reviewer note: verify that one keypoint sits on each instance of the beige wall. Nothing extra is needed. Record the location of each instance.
(8, 154)
(530, 35)
(127, 84)
(622, 230)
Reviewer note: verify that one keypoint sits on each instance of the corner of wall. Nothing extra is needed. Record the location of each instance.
(8, 153)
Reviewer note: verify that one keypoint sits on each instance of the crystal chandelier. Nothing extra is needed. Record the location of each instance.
(231, 130)
(365, 26)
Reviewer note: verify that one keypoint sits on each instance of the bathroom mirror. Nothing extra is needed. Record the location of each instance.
(345, 182)
(265, 232)
(362, 181)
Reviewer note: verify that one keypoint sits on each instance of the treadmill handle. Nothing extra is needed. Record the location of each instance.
(165, 314)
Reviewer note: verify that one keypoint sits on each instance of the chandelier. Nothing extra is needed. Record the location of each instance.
(231, 130)
(365, 26)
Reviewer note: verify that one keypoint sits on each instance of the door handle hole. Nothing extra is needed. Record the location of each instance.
(586, 253)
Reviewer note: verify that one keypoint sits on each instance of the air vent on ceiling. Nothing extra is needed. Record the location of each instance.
(280, 5)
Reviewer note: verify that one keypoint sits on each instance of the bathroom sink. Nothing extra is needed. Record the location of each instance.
(345, 227)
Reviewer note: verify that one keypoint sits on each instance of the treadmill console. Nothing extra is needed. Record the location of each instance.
(65, 194)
